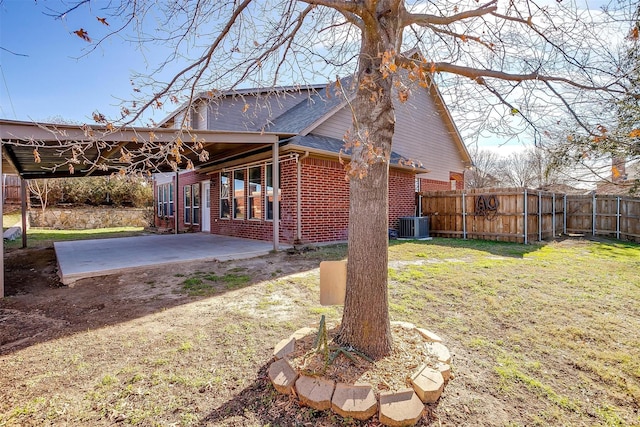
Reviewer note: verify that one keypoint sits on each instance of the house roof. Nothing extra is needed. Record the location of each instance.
(285, 113)
(330, 146)
(234, 116)
(322, 103)
(102, 146)
(299, 110)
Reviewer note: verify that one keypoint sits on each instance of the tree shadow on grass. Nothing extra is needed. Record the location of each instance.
(504, 249)
(260, 404)
(37, 308)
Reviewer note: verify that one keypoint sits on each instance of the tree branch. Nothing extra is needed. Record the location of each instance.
(479, 74)
(339, 5)
(423, 19)
(205, 59)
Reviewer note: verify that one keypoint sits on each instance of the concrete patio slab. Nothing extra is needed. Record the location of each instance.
(99, 257)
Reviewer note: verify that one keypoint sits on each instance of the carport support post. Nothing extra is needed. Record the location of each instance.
(276, 194)
(23, 197)
(175, 206)
(1, 244)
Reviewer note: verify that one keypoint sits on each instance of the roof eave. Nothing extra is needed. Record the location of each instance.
(346, 157)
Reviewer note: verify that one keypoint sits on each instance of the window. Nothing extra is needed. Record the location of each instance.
(165, 200)
(225, 211)
(195, 204)
(239, 204)
(187, 204)
(269, 194)
(207, 199)
(255, 192)
(192, 204)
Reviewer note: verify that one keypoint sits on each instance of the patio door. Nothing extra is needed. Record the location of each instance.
(205, 225)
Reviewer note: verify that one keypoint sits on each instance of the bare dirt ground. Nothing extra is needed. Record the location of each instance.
(145, 349)
(41, 308)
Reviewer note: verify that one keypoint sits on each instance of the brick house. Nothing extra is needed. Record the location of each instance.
(232, 193)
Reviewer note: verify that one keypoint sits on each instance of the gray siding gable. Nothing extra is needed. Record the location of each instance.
(251, 112)
(313, 109)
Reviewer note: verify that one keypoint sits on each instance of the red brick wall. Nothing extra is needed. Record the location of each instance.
(435, 185)
(325, 201)
(327, 218)
(324, 196)
(402, 196)
(189, 178)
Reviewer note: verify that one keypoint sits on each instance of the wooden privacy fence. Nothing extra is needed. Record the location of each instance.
(525, 215)
(11, 189)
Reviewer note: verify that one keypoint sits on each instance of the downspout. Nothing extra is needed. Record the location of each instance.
(276, 194)
(175, 206)
(299, 198)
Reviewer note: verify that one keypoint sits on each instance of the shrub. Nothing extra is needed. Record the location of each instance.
(95, 191)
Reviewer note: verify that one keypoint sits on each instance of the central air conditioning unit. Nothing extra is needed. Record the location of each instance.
(413, 227)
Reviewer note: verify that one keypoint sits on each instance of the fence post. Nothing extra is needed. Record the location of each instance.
(553, 216)
(539, 216)
(564, 215)
(593, 216)
(618, 218)
(526, 217)
(464, 216)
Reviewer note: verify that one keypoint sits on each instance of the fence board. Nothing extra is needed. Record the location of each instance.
(11, 189)
(519, 215)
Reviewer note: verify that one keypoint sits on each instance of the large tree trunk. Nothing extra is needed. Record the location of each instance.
(365, 321)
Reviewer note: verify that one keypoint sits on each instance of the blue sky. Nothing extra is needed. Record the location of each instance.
(59, 79)
(55, 79)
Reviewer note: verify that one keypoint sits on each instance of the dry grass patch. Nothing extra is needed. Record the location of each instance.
(541, 335)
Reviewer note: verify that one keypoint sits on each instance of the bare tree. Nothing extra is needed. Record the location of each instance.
(517, 170)
(598, 153)
(531, 168)
(509, 67)
(41, 189)
(485, 172)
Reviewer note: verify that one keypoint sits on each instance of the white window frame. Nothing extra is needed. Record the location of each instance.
(225, 195)
(235, 199)
(195, 207)
(267, 216)
(165, 200)
(251, 199)
(186, 190)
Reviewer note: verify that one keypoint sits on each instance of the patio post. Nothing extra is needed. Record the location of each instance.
(175, 205)
(276, 194)
(1, 244)
(23, 210)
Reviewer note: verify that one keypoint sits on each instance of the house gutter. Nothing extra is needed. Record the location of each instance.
(299, 197)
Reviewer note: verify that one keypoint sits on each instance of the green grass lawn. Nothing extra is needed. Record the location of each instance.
(43, 237)
(542, 335)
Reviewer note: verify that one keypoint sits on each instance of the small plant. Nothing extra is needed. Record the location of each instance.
(233, 281)
(331, 352)
(185, 346)
(196, 287)
(108, 380)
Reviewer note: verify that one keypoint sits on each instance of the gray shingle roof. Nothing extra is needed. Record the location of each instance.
(313, 108)
(330, 145)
